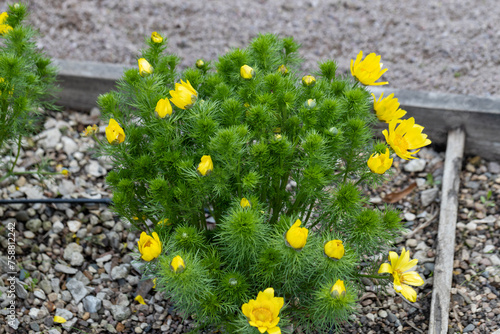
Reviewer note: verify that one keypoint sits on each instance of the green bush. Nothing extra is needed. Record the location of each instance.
(277, 161)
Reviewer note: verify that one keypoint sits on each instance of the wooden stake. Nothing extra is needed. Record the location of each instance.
(443, 268)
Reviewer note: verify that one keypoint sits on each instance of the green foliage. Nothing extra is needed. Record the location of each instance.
(27, 80)
(295, 152)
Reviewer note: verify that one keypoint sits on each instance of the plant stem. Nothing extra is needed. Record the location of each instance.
(17, 155)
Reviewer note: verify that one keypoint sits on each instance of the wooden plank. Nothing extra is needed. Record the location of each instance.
(82, 82)
(443, 267)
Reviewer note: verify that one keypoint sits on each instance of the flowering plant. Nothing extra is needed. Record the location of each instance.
(26, 81)
(277, 161)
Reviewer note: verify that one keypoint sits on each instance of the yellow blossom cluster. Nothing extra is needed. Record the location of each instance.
(4, 27)
(403, 136)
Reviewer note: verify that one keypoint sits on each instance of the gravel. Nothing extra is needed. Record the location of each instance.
(446, 45)
(108, 279)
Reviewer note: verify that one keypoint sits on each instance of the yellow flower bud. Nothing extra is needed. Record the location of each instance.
(334, 249)
(164, 222)
(163, 108)
(247, 72)
(114, 133)
(200, 63)
(206, 165)
(308, 81)
(283, 70)
(177, 265)
(296, 236)
(145, 67)
(380, 163)
(245, 203)
(184, 96)
(65, 172)
(338, 289)
(149, 246)
(156, 37)
(277, 136)
(310, 103)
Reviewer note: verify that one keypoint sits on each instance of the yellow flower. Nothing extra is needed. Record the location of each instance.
(387, 109)
(164, 222)
(206, 165)
(145, 68)
(154, 282)
(177, 264)
(114, 133)
(140, 300)
(90, 130)
(283, 70)
(4, 28)
(369, 70)
(59, 320)
(277, 136)
(65, 172)
(245, 203)
(163, 108)
(308, 81)
(407, 136)
(380, 163)
(247, 72)
(184, 95)
(263, 312)
(338, 289)
(402, 277)
(149, 246)
(296, 236)
(200, 63)
(310, 103)
(334, 249)
(156, 37)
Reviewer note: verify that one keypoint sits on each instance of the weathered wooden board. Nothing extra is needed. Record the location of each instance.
(82, 82)
(443, 267)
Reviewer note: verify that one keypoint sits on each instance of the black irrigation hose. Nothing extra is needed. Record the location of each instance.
(57, 200)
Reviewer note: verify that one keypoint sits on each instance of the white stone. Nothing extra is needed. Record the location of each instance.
(69, 145)
(51, 137)
(74, 225)
(416, 165)
(66, 187)
(57, 227)
(428, 196)
(410, 216)
(94, 169)
(489, 248)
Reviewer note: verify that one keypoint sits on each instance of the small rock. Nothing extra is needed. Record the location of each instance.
(494, 167)
(383, 313)
(39, 294)
(57, 227)
(410, 216)
(69, 145)
(63, 313)
(120, 312)
(21, 291)
(65, 269)
(428, 196)
(370, 316)
(412, 243)
(91, 304)
(77, 289)
(469, 328)
(66, 187)
(34, 225)
(471, 226)
(51, 138)
(120, 271)
(33, 313)
(489, 248)
(29, 235)
(416, 165)
(94, 169)
(22, 216)
(74, 225)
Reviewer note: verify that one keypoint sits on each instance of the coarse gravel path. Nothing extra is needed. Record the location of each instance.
(446, 46)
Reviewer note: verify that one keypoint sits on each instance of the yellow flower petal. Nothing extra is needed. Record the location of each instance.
(247, 72)
(409, 293)
(369, 70)
(139, 299)
(59, 320)
(156, 37)
(145, 67)
(412, 278)
(385, 268)
(380, 163)
(177, 264)
(149, 246)
(334, 249)
(163, 108)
